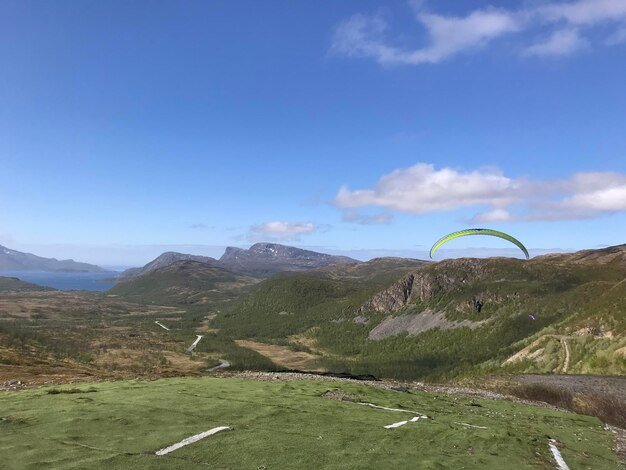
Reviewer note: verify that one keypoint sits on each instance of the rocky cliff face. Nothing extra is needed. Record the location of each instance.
(427, 283)
(558, 271)
(392, 299)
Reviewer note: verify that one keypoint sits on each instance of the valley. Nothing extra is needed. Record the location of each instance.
(408, 322)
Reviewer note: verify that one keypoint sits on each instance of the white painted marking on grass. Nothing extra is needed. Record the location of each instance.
(162, 326)
(471, 425)
(221, 365)
(190, 440)
(395, 409)
(399, 423)
(402, 423)
(190, 348)
(557, 455)
(396, 425)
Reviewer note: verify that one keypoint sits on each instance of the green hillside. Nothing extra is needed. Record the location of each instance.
(14, 284)
(292, 303)
(275, 425)
(184, 282)
(579, 295)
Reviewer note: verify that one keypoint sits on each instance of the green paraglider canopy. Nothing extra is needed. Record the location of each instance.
(478, 231)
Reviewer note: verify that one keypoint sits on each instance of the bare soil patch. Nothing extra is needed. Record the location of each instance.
(282, 355)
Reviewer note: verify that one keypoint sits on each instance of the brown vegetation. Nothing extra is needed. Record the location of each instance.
(283, 356)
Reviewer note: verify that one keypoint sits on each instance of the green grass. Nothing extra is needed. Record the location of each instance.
(284, 425)
(8, 284)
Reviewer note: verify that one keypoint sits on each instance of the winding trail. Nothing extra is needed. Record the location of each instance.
(567, 355)
(524, 353)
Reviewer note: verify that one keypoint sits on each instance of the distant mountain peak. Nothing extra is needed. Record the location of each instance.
(163, 260)
(268, 258)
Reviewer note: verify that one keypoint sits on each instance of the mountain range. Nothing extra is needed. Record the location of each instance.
(397, 317)
(12, 260)
(260, 260)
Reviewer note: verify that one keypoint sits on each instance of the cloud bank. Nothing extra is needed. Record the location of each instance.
(278, 230)
(549, 30)
(423, 189)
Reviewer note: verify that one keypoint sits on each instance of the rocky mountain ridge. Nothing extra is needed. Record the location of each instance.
(453, 274)
(260, 260)
(264, 259)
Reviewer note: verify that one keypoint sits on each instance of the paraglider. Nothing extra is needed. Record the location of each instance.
(478, 231)
(532, 317)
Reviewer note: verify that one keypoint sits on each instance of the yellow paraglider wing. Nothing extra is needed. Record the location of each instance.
(478, 231)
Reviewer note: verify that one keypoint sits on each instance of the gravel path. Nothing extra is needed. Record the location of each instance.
(567, 355)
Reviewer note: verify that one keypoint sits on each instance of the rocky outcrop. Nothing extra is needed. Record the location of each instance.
(392, 299)
(426, 284)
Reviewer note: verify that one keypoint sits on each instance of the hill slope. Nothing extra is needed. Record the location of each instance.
(184, 282)
(425, 324)
(291, 303)
(14, 284)
(162, 261)
(297, 424)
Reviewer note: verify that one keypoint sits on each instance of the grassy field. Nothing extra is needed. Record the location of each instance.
(281, 425)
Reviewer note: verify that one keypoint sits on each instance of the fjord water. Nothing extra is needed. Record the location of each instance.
(99, 282)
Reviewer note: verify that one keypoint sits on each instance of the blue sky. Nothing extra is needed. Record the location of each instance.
(363, 127)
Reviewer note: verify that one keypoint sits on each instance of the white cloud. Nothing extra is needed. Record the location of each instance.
(284, 229)
(590, 195)
(561, 42)
(584, 12)
(423, 189)
(364, 36)
(278, 230)
(355, 217)
(496, 215)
